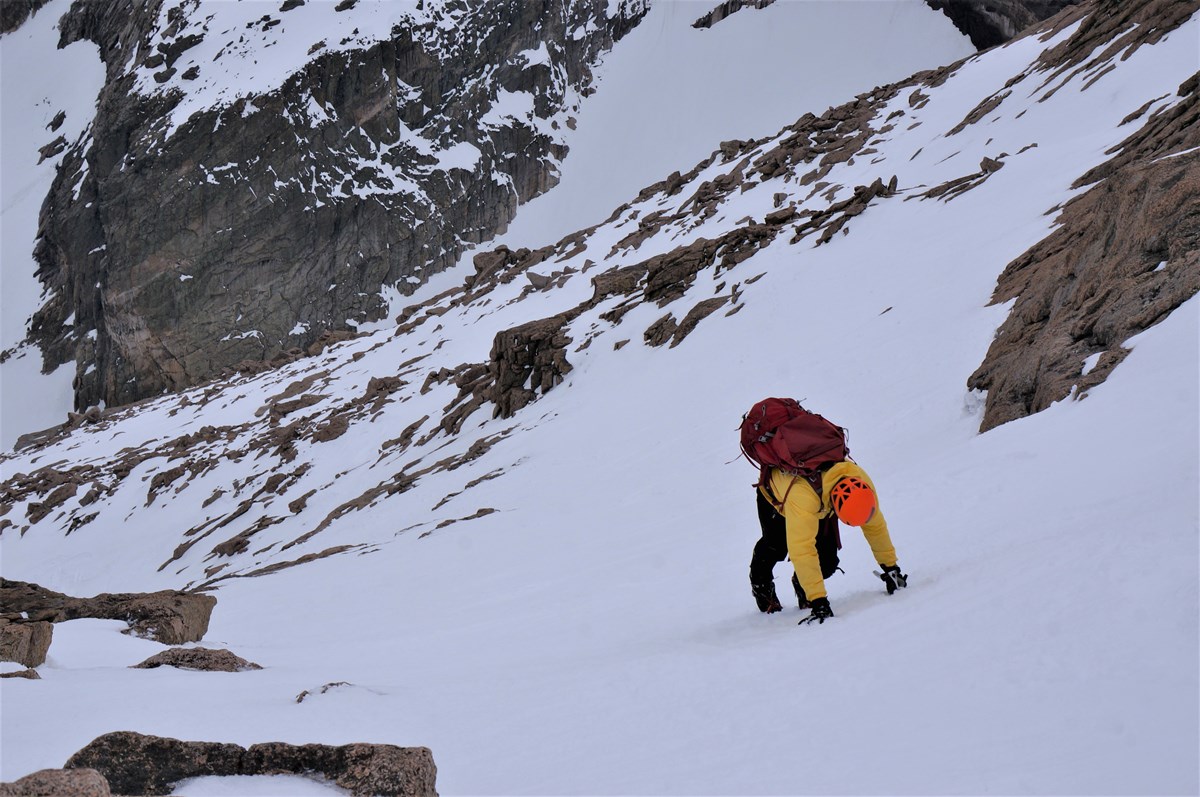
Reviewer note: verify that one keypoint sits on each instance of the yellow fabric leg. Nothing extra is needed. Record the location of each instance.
(801, 510)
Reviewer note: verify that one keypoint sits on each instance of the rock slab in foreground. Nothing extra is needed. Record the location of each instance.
(134, 763)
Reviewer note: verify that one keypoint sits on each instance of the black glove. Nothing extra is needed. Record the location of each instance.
(765, 597)
(820, 611)
(893, 578)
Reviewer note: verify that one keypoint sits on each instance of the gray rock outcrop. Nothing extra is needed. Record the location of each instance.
(255, 226)
(134, 763)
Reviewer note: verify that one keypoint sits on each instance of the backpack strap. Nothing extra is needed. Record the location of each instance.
(813, 480)
(778, 504)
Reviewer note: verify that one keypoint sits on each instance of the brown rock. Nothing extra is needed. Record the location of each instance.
(150, 765)
(25, 642)
(198, 659)
(661, 330)
(58, 783)
(328, 338)
(53, 148)
(780, 216)
(621, 280)
(168, 616)
(695, 316)
(527, 360)
(31, 675)
(1124, 255)
(989, 165)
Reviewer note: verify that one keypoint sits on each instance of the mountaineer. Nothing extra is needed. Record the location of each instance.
(807, 483)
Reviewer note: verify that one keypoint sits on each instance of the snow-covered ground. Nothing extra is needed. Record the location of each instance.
(596, 633)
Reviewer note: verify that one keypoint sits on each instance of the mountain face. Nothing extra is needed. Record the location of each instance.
(252, 181)
(512, 519)
(197, 225)
(684, 253)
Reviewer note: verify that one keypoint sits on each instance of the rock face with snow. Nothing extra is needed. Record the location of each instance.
(242, 470)
(1126, 252)
(198, 225)
(986, 22)
(252, 181)
(14, 12)
(992, 22)
(559, 416)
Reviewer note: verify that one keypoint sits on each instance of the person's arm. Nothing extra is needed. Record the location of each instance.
(876, 532)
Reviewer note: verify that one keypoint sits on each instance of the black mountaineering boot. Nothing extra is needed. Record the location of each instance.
(800, 596)
(765, 597)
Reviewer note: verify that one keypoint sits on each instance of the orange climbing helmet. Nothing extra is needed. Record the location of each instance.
(853, 501)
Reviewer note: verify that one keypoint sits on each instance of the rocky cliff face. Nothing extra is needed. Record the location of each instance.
(1126, 252)
(986, 22)
(13, 13)
(992, 22)
(190, 229)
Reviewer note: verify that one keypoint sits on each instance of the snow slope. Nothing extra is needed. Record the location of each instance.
(595, 633)
(664, 101)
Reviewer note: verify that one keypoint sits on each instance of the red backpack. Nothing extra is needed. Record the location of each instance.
(779, 433)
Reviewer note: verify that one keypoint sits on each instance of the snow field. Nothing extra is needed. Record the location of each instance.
(596, 634)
